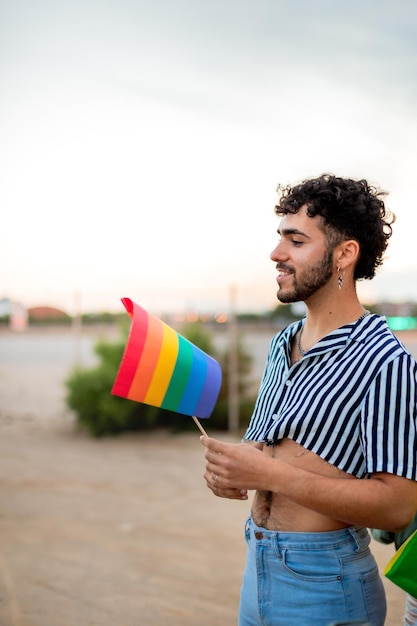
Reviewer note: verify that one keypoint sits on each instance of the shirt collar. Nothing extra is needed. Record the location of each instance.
(358, 331)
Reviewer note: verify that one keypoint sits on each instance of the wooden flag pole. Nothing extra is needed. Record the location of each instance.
(199, 426)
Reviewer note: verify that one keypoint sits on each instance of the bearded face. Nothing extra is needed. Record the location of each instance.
(307, 280)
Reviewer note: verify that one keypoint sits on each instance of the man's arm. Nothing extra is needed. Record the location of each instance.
(384, 501)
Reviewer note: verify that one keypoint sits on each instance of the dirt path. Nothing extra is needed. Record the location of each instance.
(113, 532)
(118, 532)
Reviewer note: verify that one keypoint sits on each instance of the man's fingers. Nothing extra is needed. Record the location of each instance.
(213, 444)
(213, 482)
(212, 479)
(231, 494)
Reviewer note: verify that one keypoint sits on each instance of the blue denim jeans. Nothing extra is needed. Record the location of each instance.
(294, 579)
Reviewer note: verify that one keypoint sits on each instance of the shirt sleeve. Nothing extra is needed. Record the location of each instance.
(389, 422)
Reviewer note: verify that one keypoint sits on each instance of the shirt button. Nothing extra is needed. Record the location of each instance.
(289, 383)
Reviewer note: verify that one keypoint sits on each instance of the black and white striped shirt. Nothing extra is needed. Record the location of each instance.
(352, 399)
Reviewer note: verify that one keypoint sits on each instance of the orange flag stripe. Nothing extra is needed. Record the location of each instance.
(149, 359)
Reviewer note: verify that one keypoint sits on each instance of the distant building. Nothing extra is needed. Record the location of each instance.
(397, 309)
(5, 307)
(47, 314)
(18, 317)
(15, 313)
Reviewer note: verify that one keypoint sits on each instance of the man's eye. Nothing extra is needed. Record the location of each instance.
(296, 242)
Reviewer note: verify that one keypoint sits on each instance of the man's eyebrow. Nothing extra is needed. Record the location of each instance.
(287, 232)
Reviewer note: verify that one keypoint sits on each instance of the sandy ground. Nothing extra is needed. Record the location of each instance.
(112, 532)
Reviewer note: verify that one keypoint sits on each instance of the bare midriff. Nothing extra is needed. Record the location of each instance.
(276, 512)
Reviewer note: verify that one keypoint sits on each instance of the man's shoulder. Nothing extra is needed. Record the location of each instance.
(378, 338)
(376, 330)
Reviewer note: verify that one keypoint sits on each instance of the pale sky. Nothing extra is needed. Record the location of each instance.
(141, 142)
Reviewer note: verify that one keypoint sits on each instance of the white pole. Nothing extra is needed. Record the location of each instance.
(233, 395)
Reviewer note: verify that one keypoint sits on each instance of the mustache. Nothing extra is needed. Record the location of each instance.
(284, 267)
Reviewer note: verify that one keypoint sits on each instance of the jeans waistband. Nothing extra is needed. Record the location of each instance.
(327, 539)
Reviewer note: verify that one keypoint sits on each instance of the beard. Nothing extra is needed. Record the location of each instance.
(311, 279)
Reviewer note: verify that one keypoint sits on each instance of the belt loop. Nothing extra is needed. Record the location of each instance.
(354, 532)
(278, 545)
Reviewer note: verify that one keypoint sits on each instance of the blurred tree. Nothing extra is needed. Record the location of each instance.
(101, 413)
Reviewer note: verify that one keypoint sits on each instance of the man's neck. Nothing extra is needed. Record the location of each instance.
(325, 316)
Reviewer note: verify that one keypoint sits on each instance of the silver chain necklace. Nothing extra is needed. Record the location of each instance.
(304, 352)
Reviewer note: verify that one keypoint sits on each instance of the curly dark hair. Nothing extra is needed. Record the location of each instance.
(350, 210)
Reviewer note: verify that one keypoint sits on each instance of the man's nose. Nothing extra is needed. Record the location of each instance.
(278, 253)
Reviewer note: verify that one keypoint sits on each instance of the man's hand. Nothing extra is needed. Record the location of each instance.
(228, 468)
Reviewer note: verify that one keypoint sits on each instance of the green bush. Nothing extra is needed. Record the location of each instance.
(96, 408)
(101, 413)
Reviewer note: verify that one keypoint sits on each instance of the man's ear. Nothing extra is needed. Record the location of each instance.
(347, 253)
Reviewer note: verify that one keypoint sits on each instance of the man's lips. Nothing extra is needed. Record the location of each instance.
(283, 273)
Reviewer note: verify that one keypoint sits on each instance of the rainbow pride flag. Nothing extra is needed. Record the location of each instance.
(161, 368)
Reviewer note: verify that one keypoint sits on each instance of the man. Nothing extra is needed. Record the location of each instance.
(334, 422)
